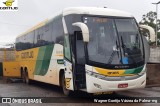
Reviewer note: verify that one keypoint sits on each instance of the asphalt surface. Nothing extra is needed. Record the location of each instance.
(16, 88)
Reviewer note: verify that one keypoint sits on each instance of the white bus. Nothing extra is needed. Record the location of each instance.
(85, 48)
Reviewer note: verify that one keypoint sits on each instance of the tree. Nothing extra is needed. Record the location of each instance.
(150, 20)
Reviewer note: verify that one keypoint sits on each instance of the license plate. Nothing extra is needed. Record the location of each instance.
(123, 85)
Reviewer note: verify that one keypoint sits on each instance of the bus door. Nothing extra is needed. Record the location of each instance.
(75, 64)
(79, 64)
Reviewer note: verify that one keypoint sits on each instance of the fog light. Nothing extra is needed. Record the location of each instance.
(97, 86)
(143, 82)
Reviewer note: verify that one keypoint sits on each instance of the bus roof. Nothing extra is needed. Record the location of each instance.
(82, 10)
(96, 11)
(34, 27)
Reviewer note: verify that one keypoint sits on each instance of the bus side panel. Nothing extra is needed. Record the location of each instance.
(11, 69)
(27, 59)
(49, 62)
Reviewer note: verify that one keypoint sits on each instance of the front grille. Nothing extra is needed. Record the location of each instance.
(108, 78)
(122, 78)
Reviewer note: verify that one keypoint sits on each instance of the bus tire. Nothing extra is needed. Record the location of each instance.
(63, 84)
(23, 76)
(27, 77)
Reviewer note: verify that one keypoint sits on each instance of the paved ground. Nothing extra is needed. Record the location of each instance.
(37, 89)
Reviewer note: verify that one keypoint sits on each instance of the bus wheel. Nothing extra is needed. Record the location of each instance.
(23, 77)
(27, 78)
(63, 84)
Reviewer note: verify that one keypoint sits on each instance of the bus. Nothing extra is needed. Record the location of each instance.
(89, 49)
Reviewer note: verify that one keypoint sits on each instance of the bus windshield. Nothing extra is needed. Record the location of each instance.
(114, 40)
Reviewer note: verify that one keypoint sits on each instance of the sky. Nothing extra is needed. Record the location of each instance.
(31, 12)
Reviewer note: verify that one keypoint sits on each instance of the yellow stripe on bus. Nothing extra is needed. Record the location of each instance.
(109, 72)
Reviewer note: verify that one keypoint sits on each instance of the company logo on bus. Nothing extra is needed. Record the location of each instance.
(25, 55)
(116, 72)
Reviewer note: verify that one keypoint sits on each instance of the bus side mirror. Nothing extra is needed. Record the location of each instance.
(151, 32)
(85, 30)
(146, 49)
(152, 37)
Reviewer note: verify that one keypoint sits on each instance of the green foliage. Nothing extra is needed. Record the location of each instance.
(150, 20)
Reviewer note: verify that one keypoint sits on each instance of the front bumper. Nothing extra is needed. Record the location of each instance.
(95, 85)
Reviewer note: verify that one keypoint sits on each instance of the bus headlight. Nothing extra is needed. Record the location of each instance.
(96, 75)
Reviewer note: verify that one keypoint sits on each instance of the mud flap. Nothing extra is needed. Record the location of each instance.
(68, 75)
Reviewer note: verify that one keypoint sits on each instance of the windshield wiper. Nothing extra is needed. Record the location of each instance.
(115, 49)
(125, 53)
(123, 45)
